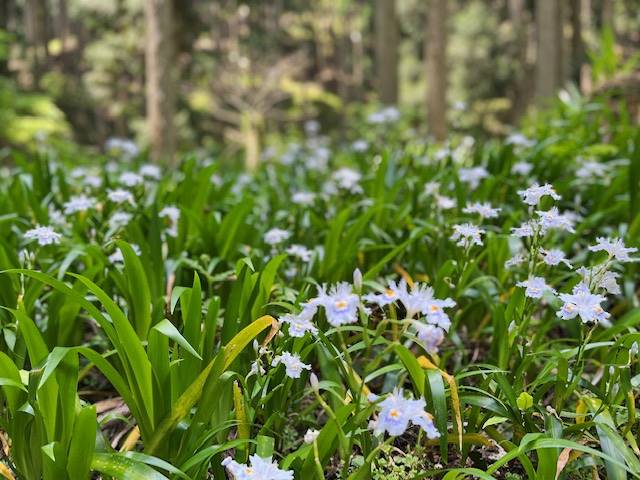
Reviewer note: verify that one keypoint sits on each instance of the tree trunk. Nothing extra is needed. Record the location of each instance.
(607, 15)
(35, 19)
(549, 54)
(521, 96)
(5, 12)
(436, 68)
(386, 26)
(577, 44)
(160, 81)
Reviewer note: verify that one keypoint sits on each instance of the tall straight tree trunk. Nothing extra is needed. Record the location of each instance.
(606, 12)
(549, 54)
(386, 26)
(517, 16)
(160, 81)
(436, 68)
(5, 12)
(577, 44)
(35, 19)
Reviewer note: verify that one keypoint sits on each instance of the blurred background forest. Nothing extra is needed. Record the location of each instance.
(200, 74)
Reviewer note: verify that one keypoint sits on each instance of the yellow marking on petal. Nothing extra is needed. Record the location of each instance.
(341, 304)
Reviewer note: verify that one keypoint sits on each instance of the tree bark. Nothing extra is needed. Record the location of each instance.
(5, 12)
(436, 68)
(386, 29)
(549, 54)
(577, 44)
(607, 15)
(160, 79)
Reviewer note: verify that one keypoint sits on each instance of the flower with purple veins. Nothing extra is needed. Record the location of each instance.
(430, 336)
(554, 257)
(396, 412)
(292, 364)
(581, 302)
(533, 194)
(535, 287)
(276, 236)
(79, 203)
(299, 323)
(614, 247)
(340, 304)
(258, 469)
(44, 235)
(553, 219)
(485, 210)
(467, 235)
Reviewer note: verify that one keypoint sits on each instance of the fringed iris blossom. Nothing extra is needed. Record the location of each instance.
(131, 179)
(172, 213)
(430, 336)
(292, 364)
(553, 219)
(467, 235)
(119, 220)
(276, 236)
(387, 296)
(554, 257)
(120, 195)
(535, 287)
(485, 210)
(607, 280)
(472, 176)
(521, 168)
(396, 412)
(533, 194)
(614, 247)
(300, 251)
(340, 304)
(79, 203)
(581, 302)
(300, 323)
(258, 468)
(44, 235)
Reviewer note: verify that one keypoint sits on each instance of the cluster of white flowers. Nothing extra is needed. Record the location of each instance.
(124, 146)
(120, 195)
(276, 236)
(584, 301)
(385, 115)
(79, 203)
(131, 179)
(472, 176)
(485, 210)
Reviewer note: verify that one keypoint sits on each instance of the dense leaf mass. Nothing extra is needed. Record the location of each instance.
(370, 306)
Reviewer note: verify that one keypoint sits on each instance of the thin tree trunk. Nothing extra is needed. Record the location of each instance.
(436, 68)
(36, 37)
(386, 29)
(549, 54)
(63, 24)
(160, 81)
(5, 12)
(607, 15)
(519, 24)
(577, 44)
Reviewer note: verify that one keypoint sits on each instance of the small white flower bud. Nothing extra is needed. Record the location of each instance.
(311, 436)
